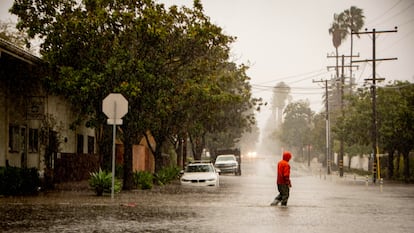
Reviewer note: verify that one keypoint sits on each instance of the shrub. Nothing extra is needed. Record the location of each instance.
(30, 180)
(119, 171)
(143, 179)
(18, 181)
(101, 181)
(166, 175)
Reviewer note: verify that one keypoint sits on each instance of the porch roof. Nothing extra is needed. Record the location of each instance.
(19, 53)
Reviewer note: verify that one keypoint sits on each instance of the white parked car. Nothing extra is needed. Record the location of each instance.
(227, 164)
(200, 174)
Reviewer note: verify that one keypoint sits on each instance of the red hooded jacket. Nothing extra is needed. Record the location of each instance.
(283, 169)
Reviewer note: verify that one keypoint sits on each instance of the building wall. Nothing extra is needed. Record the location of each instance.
(17, 119)
(57, 115)
(28, 115)
(60, 111)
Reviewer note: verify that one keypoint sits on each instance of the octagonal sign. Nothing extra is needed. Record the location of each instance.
(115, 106)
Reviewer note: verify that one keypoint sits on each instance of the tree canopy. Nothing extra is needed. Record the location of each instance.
(296, 128)
(171, 64)
(395, 122)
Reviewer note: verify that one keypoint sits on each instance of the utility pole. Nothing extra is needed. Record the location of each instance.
(343, 65)
(375, 154)
(341, 96)
(327, 126)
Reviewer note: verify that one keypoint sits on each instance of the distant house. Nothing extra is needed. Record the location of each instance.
(34, 125)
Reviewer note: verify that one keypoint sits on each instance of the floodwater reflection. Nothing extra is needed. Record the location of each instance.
(240, 204)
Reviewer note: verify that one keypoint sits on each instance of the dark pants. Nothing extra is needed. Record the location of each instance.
(283, 194)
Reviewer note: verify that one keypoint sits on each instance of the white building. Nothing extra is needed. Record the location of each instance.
(34, 126)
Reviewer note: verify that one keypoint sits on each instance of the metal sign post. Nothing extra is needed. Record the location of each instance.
(115, 106)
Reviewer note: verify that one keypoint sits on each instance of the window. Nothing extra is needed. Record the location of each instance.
(91, 145)
(33, 140)
(15, 139)
(79, 147)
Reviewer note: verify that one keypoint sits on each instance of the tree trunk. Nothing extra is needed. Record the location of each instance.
(184, 152)
(398, 163)
(104, 139)
(390, 164)
(406, 166)
(158, 157)
(128, 183)
(195, 146)
(179, 152)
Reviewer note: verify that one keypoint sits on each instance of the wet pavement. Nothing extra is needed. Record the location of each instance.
(241, 204)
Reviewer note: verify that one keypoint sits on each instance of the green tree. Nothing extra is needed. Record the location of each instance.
(395, 123)
(318, 135)
(354, 126)
(296, 128)
(229, 113)
(395, 119)
(96, 48)
(163, 61)
(204, 76)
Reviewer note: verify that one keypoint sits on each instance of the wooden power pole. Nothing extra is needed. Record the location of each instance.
(374, 79)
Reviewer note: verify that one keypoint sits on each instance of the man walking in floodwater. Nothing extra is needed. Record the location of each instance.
(283, 180)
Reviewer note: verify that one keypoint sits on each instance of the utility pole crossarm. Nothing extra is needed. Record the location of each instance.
(370, 32)
(345, 66)
(339, 56)
(377, 59)
(371, 79)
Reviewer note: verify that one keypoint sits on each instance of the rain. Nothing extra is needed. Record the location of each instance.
(318, 203)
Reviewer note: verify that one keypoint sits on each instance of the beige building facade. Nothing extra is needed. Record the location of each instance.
(34, 126)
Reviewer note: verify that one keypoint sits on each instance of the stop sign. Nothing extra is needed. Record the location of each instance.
(115, 106)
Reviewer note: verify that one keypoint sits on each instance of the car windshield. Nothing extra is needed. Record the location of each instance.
(199, 168)
(225, 158)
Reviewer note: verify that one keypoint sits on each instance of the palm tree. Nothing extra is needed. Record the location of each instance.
(344, 24)
(339, 32)
(353, 19)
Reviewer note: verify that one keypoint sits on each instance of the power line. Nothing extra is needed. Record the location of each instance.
(276, 87)
(394, 15)
(385, 12)
(293, 76)
(405, 36)
(291, 92)
(407, 22)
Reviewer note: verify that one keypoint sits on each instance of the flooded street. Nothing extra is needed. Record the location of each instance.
(240, 204)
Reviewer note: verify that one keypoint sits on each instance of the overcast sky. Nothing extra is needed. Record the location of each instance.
(288, 40)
